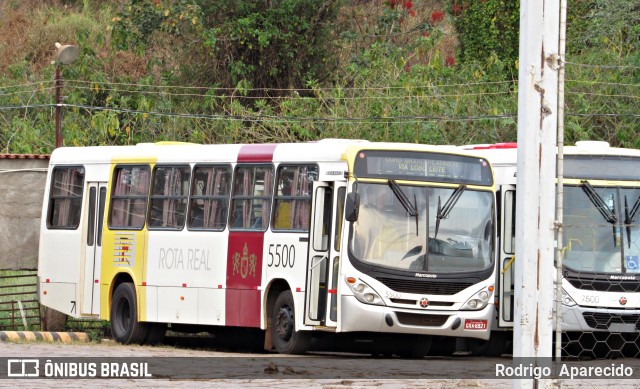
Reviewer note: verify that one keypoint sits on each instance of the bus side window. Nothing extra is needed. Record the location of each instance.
(169, 197)
(129, 197)
(65, 197)
(292, 202)
(251, 198)
(209, 201)
(509, 211)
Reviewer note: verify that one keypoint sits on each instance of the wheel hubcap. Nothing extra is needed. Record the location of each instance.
(284, 323)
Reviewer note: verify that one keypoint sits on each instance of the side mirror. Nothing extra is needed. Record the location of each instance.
(352, 207)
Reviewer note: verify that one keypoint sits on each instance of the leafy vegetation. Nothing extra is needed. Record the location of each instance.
(209, 71)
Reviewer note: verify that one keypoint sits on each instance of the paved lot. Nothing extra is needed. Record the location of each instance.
(233, 369)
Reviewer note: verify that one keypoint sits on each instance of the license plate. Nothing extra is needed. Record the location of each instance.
(475, 324)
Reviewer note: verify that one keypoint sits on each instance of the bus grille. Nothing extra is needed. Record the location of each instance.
(602, 321)
(424, 287)
(423, 320)
(591, 283)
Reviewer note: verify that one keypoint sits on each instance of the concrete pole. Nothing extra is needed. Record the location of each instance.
(535, 201)
(59, 139)
(560, 180)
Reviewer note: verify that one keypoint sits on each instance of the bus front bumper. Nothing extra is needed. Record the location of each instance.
(587, 319)
(356, 316)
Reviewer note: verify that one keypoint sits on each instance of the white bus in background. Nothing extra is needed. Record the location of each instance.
(381, 240)
(601, 246)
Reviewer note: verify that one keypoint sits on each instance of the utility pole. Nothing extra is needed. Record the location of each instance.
(65, 55)
(59, 139)
(537, 123)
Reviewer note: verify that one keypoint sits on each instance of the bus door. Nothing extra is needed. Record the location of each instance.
(507, 254)
(322, 265)
(94, 216)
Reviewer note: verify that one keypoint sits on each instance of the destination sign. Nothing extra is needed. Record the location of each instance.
(422, 166)
(608, 167)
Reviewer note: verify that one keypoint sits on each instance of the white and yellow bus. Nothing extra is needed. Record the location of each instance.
(336, 236)
(601, 246)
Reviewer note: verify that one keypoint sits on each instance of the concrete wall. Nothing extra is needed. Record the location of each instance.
(22, 183)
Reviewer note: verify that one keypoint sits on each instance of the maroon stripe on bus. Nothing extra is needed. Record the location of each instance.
(256, 153)
(244, 275)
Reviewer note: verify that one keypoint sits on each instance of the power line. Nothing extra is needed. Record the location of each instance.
(603, 66)
(27, 106)
(267, 118)
(601, 83)
(333, 88)
(329, 97)
(28, 84)
(634, 115)
(274, 118)
(24, 92)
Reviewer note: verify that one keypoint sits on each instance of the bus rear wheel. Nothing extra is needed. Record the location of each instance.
(125, 326)
(283, 330)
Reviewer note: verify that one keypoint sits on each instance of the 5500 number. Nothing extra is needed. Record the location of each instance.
(281, 255)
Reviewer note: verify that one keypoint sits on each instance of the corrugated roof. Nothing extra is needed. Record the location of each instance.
(24, 156)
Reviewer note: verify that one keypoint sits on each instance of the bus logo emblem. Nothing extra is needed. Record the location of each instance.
(244, 264)
(124, 249)
(424, 302)
(623, 300)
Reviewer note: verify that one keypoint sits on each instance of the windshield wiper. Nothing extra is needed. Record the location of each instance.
(402, 197)
(443, 212)
(630, 216)
(634, 210)
(608, 214)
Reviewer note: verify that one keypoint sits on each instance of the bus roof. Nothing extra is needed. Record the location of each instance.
(322, 150)
(506, 153)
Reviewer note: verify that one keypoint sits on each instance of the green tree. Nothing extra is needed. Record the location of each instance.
(487, 26)
(269, 44)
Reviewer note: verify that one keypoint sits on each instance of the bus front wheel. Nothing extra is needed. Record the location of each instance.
(283, 330)
(125, 326)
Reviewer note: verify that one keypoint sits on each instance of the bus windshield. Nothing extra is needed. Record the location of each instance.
(601, 229)
(417, 228)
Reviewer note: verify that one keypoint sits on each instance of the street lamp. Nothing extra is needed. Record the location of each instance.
(65, 55)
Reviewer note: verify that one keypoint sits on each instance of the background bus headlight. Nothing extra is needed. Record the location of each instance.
(363, 292)
(479, 300)
(567, 300)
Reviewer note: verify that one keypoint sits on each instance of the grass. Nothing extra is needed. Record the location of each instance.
(18, 286)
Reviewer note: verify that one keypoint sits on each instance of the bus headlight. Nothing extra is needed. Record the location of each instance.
(363, 292)
(567, 300)
(478, 300)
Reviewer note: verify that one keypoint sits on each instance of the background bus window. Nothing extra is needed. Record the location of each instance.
(293, 197)
(209, 199)
(169, 194)
(129, 197)
(339, 217)
(251, 200)
(65, 199)
(509, 209)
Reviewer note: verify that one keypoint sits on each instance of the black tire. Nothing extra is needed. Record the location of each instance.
(494, 347)
(155, 333)
(285, 338)
(54, 320)
(125, 326)
(442, 346)
(414, 346)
